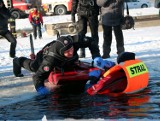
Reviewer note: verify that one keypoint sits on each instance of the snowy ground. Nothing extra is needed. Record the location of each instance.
(145, 42)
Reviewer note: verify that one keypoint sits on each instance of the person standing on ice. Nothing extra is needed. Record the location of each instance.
(4, 32)
(56, 54)
(112, 13)
(36, 20)
(87, 12)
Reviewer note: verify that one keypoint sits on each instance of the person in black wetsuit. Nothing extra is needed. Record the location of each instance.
(56, 54)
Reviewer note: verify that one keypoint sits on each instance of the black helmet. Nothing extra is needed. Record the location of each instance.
(124, 56)
(62, 44)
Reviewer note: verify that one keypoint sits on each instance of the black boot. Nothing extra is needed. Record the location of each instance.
(105, 56)
(82, 53)
(12, 56)
(17, 68)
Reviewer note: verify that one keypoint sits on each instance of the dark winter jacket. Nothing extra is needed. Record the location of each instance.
(112, 11)
(4, 16)
(53, 59)
(85, 7)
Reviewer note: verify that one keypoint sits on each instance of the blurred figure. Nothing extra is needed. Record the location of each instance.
(36, 20)
(87, 11)
(4, 16)
(112, 12)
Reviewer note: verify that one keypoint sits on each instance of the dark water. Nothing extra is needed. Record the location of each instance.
(145, 104)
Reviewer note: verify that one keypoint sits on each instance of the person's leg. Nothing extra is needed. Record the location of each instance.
(119, 39)
(24, 62)
(93, 24)
(34, 31)
(82, 53)
(39, 31)
(17, 67)
(12, 26)
(8, 35)
(82, 30)
(107, 35)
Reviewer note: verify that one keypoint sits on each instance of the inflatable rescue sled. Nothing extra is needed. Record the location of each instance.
(70, 79)
(128, 77)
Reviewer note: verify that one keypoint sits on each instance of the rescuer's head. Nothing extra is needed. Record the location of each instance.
(124, 56)
(64, 46)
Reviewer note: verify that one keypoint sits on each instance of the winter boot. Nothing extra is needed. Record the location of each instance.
(17, 68)
(82, 53)
(105, 56)
(12, 56)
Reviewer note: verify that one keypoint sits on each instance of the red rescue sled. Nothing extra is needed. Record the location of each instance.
(71, 79)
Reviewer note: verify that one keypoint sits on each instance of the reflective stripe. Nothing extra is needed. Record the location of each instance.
(11, 20)
(12, 27)
(137, 69)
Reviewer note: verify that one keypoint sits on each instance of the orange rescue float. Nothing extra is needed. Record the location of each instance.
(128, 77)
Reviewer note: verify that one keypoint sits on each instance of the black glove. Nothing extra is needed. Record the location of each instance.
(82, 40)
(73, 18)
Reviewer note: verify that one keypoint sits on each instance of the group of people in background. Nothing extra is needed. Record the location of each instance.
(87, 11)
(111, 12)
(63, 51)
